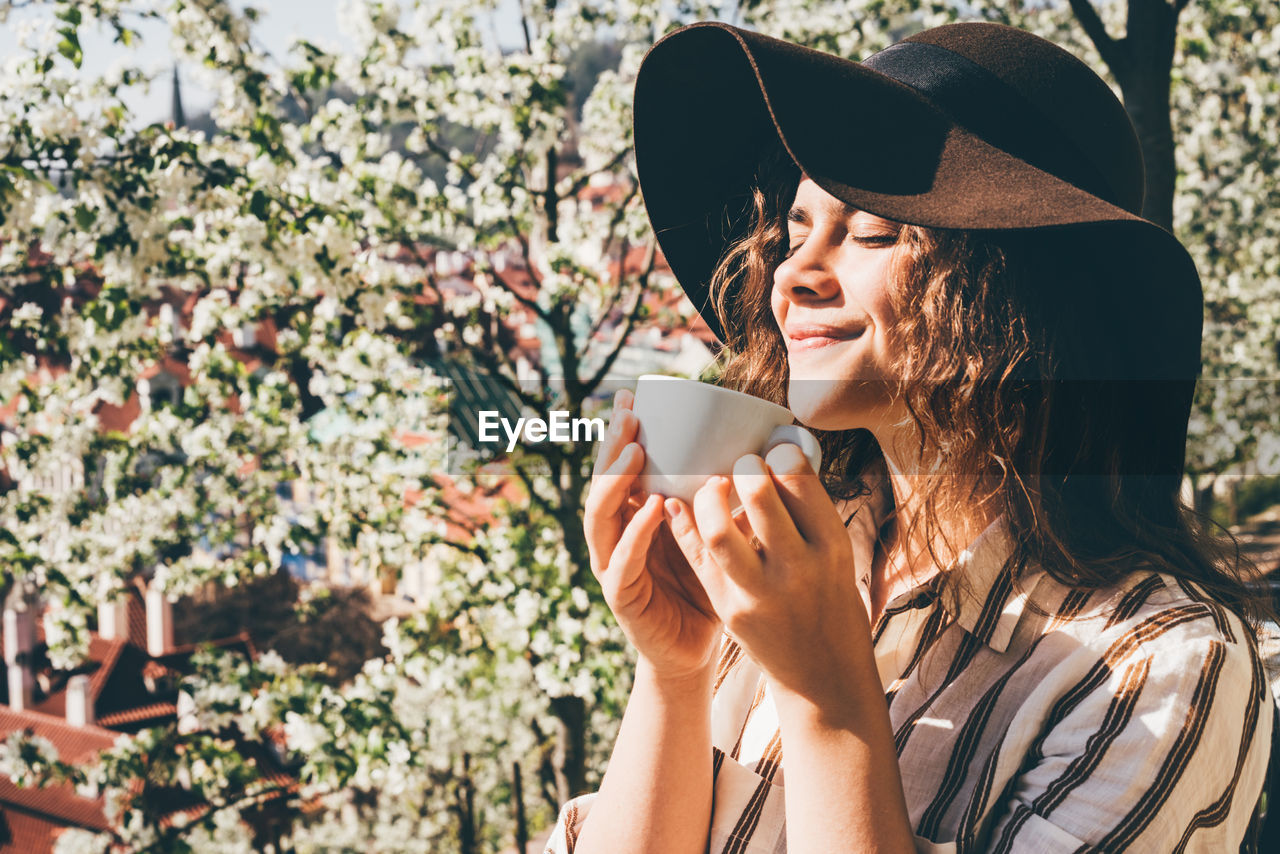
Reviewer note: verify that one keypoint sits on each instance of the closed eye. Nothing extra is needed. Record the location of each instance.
(868, 239)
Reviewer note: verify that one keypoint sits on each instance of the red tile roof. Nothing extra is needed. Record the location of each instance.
(156, 670)
(136, 615)
(74, 744)
(155, 711)
(117, 419)
(27, 833)
(59, 802)
(110, 654)
(241, 642)
(117, 670)
(467, 512)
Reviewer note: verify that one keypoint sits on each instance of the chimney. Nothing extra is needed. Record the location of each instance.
(159, 621)
(113, 618)
(19, 632)
(19, 645)
(22, 688)
(79, 703)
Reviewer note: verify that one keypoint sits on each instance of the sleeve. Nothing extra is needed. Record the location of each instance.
(1163, 749)
(747, 811)
(564, 836)
(747, 815)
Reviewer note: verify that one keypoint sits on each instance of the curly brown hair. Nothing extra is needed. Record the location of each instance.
(999, 378)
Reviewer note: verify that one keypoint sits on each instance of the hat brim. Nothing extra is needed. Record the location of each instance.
(710, 97)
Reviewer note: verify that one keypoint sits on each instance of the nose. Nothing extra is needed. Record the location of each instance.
(807, 276)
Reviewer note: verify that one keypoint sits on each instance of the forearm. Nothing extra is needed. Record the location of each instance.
(843, 787)
(656, 792)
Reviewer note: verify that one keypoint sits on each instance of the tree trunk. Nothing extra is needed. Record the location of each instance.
(522, 829)
(574, 487)
(1150, 38)
(1142, 63)
(571, 746)
(466, 808)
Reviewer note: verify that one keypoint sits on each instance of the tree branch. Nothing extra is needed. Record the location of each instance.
(524, 26)
(1110, 49)
(616, 295)
(532, 305)
(577, 182)
(544, 505)
(629, 325)
(444, 154)
(494, 371)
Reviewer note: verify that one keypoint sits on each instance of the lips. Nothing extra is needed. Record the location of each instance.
(814, 337)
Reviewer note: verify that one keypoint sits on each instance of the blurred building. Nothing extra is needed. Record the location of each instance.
(130, 681)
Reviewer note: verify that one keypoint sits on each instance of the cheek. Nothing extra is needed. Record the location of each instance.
(873, 287)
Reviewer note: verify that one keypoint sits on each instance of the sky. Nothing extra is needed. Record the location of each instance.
(279, 22)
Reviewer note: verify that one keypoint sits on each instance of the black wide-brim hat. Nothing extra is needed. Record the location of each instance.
(973, 126)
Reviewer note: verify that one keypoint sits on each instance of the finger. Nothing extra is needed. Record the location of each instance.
(623, 427)
(721, 536)
(684, 531)
(769, 518)
(802, 493)
(744, 525)
(607, 498)
(628, 559)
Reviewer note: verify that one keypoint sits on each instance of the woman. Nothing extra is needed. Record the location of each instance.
(990, 625)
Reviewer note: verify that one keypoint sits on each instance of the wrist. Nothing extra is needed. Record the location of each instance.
(679, 686)
(832, 710)
(845, 699)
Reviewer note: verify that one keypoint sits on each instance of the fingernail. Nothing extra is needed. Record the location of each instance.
(672, 507)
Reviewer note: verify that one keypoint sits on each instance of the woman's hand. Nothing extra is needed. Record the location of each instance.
(791, 596)
(656, 598)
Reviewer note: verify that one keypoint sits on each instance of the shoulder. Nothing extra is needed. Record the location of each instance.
(1151, 731)
(1180, 660)
(1154, 613)
(1161, 636)
(1169, 712)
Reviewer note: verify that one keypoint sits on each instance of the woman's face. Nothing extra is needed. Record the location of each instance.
(832, 301)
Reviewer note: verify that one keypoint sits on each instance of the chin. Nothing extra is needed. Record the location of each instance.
(822, 404)
(825, 404)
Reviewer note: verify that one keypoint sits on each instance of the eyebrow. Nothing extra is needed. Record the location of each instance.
(800, 213)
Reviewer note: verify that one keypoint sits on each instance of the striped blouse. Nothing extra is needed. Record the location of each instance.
(1028, 718)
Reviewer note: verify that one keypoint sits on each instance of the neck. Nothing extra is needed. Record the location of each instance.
(909, 560)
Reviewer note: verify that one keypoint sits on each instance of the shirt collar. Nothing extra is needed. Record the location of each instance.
(988, 600)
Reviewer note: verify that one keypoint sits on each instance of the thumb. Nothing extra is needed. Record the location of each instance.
(628, 559)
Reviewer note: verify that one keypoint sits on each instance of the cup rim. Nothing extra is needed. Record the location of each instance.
(727, 392)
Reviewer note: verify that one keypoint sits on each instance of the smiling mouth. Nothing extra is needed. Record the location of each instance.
(817, 339)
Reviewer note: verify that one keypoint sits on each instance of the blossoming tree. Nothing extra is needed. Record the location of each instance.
(313, 214)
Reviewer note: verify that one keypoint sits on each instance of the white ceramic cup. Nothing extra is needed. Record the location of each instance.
(691, 431)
